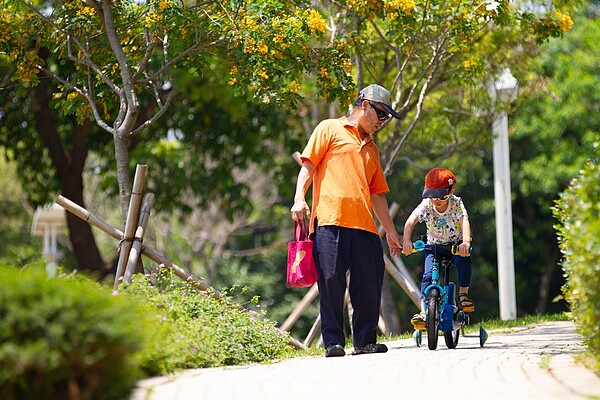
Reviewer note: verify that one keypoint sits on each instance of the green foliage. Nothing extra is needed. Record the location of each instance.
(67, 336)
(17, 247)
(204, 331)
(578, 212)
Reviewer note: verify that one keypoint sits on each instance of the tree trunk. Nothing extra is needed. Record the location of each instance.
(122, 159)
(69, 170)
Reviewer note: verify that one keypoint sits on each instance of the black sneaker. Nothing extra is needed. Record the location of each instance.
(370, 349)
(335, 350)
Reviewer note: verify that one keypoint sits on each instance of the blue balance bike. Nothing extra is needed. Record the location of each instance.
(440, 300)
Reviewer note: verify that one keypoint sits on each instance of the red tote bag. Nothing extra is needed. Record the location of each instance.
(301, 270)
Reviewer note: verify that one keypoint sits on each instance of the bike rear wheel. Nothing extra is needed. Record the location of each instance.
(432, 318)
(451, 338)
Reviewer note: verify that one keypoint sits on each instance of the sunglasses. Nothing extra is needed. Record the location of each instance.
(443, 197)
(381, 115)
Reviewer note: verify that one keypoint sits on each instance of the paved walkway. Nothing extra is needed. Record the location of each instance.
(533, 362)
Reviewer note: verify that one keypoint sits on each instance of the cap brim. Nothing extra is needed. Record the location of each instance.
(391, 111)
(435, 193)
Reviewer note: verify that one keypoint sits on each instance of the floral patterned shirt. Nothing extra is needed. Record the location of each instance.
(442, 227)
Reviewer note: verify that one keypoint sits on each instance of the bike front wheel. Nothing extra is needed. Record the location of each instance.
(433, 320)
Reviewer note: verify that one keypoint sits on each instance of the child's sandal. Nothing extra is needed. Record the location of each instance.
(465, 302)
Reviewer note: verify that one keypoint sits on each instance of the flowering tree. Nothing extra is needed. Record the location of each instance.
(116, 60)
(112, 69)
(436, 57)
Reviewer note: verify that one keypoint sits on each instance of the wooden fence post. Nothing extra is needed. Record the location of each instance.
(131, 222)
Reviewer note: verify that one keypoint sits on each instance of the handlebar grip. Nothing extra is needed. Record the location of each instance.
(419, 245)
(455, 251)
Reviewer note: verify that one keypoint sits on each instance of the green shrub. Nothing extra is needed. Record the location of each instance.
(67, 338)
(578, 211)
(204, 332)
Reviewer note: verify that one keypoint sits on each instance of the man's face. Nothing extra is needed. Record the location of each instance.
(375, 116)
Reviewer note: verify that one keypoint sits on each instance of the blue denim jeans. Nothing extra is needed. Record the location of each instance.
(463, 265)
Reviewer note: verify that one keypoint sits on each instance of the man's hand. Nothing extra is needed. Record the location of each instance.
(394, 242)
(299, 209)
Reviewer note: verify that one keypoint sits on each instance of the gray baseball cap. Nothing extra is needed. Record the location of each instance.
(380, 95)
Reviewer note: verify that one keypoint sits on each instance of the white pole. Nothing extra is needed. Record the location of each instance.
(504, 228)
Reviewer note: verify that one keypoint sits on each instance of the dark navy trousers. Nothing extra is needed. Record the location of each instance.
(338, 250)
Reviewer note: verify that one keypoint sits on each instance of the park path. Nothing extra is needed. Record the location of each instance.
(532, 362)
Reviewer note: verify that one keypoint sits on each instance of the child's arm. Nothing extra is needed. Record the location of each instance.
(465, 246)
(409, 225)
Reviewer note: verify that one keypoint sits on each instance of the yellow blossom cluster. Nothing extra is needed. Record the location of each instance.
(566, 23)
(72, 96)
(348, 65)
(315, 22)
(86, 12)
(249, 45)
(262, 48)
(406, 6)
(263, 73)
(294, 87)
(233, 72)
(163, 5)
(152, 18)
(365, 7)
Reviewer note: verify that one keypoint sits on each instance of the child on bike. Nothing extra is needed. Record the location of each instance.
(447, 222)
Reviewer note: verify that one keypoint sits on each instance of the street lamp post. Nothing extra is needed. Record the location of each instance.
(504, 89)
(49, 222)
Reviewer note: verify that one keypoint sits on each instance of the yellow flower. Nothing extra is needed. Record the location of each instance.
(163, 5)
(152, 18)
(263, 73)
(566, 23)
(250, 43)
(347, 65)
(263, 48)
(468, 64)
(407, 6)
(85, 11)
(294, 87)
(315, 22)
(324, 73)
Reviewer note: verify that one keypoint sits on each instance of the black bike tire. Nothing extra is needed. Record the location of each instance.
(432, 318)
(451, 338)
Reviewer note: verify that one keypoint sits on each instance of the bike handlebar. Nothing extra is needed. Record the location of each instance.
(420, 245)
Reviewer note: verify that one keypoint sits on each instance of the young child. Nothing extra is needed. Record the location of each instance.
(447, 221)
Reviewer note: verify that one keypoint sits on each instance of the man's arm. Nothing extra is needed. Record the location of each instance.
(305, 177)
(380, 207)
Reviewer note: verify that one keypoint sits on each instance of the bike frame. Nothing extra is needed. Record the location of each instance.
(439, 306)
(446, 289)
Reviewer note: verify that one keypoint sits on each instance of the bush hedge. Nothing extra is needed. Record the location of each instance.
(205, 332)
(72, 338)
(67, 338)
(578, 211)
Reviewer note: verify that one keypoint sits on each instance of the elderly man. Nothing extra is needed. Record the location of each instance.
(342, 162)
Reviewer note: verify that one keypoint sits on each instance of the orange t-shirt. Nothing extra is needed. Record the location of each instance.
(347, 172)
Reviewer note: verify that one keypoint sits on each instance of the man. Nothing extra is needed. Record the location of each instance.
(342, 162)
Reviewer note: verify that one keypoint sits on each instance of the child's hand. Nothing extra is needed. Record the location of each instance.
(464, 249)
(407, 247)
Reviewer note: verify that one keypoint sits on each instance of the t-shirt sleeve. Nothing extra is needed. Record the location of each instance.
(318, 144)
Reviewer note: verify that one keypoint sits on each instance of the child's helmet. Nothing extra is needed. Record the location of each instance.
(438, 183)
